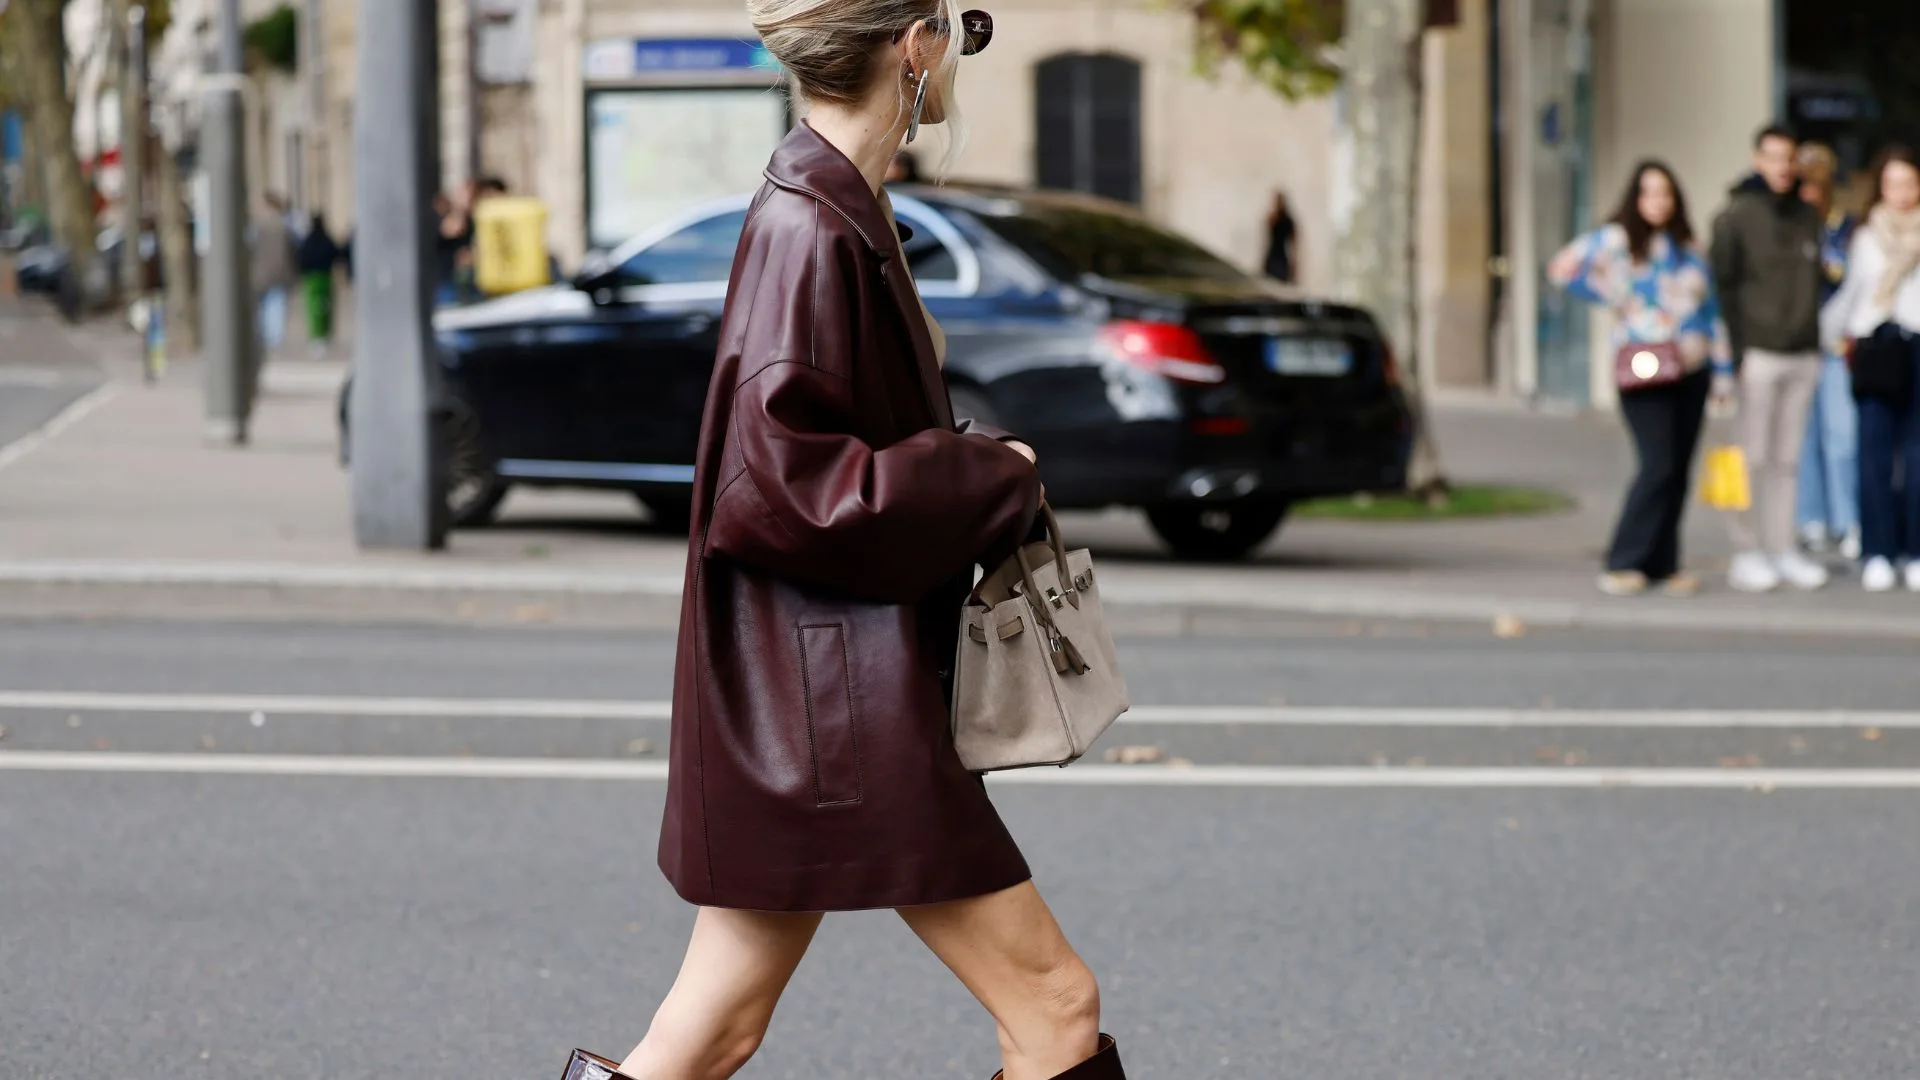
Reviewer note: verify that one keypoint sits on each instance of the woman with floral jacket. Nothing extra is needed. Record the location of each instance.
(1644, 266)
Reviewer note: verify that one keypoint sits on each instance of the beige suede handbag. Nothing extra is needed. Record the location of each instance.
(1035, 680)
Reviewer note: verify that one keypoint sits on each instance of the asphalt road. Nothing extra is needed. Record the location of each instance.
(230, 926)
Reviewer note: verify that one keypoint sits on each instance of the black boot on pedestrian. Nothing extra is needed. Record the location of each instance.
(1103, 1065)
(585, 1066)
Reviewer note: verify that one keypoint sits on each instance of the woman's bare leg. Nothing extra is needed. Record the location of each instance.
(1007, 949)
(737, 965)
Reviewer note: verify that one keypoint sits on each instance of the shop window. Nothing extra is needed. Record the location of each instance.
(1088, 125)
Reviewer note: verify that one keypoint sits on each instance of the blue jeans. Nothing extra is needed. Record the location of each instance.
(1890, 477)
(273, 318)
(1829, 462)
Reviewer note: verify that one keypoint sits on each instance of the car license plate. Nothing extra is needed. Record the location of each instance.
(1317, 357)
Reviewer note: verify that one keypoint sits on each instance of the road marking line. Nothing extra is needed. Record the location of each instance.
(1220, 776)
(1181, 715)
(15, 451)
(290, 705)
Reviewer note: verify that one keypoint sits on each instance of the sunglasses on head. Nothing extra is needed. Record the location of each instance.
(977, 24)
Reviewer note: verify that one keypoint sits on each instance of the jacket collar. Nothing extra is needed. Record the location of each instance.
(809, 164)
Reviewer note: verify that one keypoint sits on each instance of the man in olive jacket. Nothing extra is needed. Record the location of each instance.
(1766, 266)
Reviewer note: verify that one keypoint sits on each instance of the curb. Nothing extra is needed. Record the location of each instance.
(463, 591)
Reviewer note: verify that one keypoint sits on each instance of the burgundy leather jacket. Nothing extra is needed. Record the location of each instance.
(838, 513)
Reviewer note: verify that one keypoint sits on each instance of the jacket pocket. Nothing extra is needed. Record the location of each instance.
(827, 678)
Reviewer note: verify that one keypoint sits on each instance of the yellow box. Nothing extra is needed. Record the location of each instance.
(510, 245)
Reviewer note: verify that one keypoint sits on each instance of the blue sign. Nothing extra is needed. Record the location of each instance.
(690, 55)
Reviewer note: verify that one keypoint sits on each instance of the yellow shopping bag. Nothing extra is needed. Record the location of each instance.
(1723, 482)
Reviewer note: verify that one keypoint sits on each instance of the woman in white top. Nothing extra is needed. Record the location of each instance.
(1875, 320)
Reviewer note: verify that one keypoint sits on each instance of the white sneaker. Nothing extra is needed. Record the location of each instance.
(1752, 572)
(1801, 572)
(1814, 539)
(1913, 575)
(1850, 545)
(1877, 575)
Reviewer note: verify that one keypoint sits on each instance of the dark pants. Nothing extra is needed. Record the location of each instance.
(1665, 422)
(1890, 476)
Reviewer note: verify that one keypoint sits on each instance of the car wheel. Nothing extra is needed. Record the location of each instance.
(474, 491)
(1216, 533)
(971, 404)
(670, 513)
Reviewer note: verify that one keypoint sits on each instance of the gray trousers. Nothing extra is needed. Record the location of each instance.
(1776, 400)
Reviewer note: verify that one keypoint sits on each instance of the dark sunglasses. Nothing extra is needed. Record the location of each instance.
(978, 25)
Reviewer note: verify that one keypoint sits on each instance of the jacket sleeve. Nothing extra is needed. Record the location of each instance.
(816, 504)
(1836, 318)
(1727, 260)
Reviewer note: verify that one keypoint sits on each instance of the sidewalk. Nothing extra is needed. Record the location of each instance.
(125, 497)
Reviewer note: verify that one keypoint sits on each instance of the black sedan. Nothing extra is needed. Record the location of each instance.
(1145, 371)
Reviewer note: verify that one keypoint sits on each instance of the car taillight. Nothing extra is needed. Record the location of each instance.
(1165, 349)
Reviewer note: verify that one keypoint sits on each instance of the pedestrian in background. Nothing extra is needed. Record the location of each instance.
(1766, 264)
(1875, 319)
(841, 512)
(1829, 496)
(905, 168)
(318, 256)
(1283, 239)
(1645, 266)
(273, 270)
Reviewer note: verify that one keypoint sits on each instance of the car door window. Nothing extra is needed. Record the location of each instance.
(701, 252)
(929, 259)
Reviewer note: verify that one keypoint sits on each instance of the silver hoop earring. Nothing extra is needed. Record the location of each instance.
(919, 105)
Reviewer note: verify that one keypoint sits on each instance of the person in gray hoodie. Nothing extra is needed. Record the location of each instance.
(1766, 259)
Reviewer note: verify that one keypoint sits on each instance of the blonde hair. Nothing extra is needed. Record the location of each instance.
(828, 48)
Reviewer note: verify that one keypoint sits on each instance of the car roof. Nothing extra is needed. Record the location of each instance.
(1000, 200)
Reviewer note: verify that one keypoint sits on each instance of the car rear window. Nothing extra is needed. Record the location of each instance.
(1072, 242)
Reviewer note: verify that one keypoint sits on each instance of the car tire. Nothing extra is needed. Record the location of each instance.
(474, 490)
(669, 513)
(1216, 533)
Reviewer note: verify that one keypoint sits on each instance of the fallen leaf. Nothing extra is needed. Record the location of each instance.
(640, 746)
(1797, 744)
(73, 719)
(533, 613)
(1179, 763)
(3, 731)
(1547, 753)
(1871, 734)
(1742, 761)
(1511, 823)
(1574, 757)
(1135, 755)
(1416, 763)
(206, 1055)
(1508, 627)
(206, 742)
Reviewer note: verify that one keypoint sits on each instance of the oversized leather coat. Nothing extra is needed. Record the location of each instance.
(839, 510)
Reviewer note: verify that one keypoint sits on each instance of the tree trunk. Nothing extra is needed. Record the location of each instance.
(1381, 97)
(42, 54)
(133, 147)
(176, 248)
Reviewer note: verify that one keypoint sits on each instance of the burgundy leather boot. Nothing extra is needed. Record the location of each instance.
(1103, 1065)
(585, 1066)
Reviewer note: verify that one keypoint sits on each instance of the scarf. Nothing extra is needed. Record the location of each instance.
(1898, 234)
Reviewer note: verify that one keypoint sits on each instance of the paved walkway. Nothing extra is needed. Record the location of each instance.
(122, 491)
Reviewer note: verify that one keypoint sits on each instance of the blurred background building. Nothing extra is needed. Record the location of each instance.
(619, 114)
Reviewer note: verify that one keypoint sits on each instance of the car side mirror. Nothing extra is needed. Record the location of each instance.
(600, 282)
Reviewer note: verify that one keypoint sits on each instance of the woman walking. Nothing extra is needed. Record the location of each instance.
(1644, 266)
(1875, 319)
(839, 510)
(1829, 487)
(1283, 241)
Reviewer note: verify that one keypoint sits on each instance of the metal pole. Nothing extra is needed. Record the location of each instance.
(229, 340)
(398, 491)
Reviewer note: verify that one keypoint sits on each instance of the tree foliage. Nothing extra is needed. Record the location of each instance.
(1287, 44)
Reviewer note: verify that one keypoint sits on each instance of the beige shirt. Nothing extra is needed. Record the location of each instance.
(933, 325)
